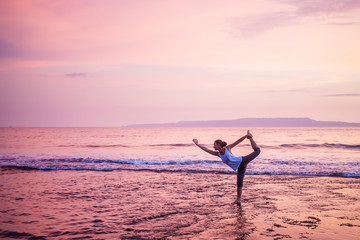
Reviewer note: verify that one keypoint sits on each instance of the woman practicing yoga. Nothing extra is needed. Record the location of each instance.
(237, 163)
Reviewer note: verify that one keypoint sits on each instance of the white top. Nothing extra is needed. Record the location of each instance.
(231, 160)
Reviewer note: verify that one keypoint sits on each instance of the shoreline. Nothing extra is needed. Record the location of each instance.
(176, 205)
(27, 168)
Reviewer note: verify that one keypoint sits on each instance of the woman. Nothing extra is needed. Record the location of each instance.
(237, 163)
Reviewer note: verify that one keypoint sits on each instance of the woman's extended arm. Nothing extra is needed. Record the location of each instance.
(239, 140)
(204, 148)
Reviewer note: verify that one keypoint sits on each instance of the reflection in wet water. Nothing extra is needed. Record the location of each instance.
(150, 205)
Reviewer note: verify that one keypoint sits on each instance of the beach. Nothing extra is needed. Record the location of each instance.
(175, 205)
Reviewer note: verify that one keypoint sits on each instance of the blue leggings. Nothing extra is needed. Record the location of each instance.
(242, 168)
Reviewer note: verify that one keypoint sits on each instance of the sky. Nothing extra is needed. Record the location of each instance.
(116, 62)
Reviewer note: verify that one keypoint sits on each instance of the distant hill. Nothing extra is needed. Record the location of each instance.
(254, 122)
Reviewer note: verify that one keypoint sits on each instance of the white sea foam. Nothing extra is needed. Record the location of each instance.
(261, 166)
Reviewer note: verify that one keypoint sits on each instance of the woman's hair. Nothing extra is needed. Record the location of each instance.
(221, 143)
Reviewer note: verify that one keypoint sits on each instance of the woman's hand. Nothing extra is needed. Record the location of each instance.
(249, 135)
(204, 148)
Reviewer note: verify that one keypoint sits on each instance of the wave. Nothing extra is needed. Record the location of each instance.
(141, 162)
(132, 161)
(95, 146)
(173, 145)
(314, 174)
(324, 145)
(292, 165)
(185, 145)
(320, 164)
(107, 169)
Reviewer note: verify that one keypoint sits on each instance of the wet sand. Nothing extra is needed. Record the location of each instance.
(175, 205)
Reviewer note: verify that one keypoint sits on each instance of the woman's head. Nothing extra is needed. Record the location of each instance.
(219, 144)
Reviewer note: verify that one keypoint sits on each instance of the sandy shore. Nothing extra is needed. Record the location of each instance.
(175, 205)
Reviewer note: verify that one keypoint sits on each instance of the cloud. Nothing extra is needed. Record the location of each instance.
(344, 23)
(254, 25)
(300, 90)
(343, 95)
(312, 7)
(250, 26)
(75, 75)
(9, 50)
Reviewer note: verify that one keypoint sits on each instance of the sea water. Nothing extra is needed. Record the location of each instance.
(315, 151)
(154, 183)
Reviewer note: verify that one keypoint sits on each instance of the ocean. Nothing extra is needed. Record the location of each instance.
(154, 183)
(285, 151)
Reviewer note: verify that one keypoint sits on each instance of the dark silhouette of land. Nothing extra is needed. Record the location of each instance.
(254, 122)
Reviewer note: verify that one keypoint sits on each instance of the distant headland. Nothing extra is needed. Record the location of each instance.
(254, 122)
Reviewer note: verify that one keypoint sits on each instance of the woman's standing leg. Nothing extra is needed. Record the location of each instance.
(242, 168)
(240, 181)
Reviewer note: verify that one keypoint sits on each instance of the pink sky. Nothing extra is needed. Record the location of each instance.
(113, 62)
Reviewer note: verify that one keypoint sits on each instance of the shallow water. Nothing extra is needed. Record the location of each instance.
(175, 205)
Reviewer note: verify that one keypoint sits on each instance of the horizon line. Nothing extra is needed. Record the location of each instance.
(157, 124)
